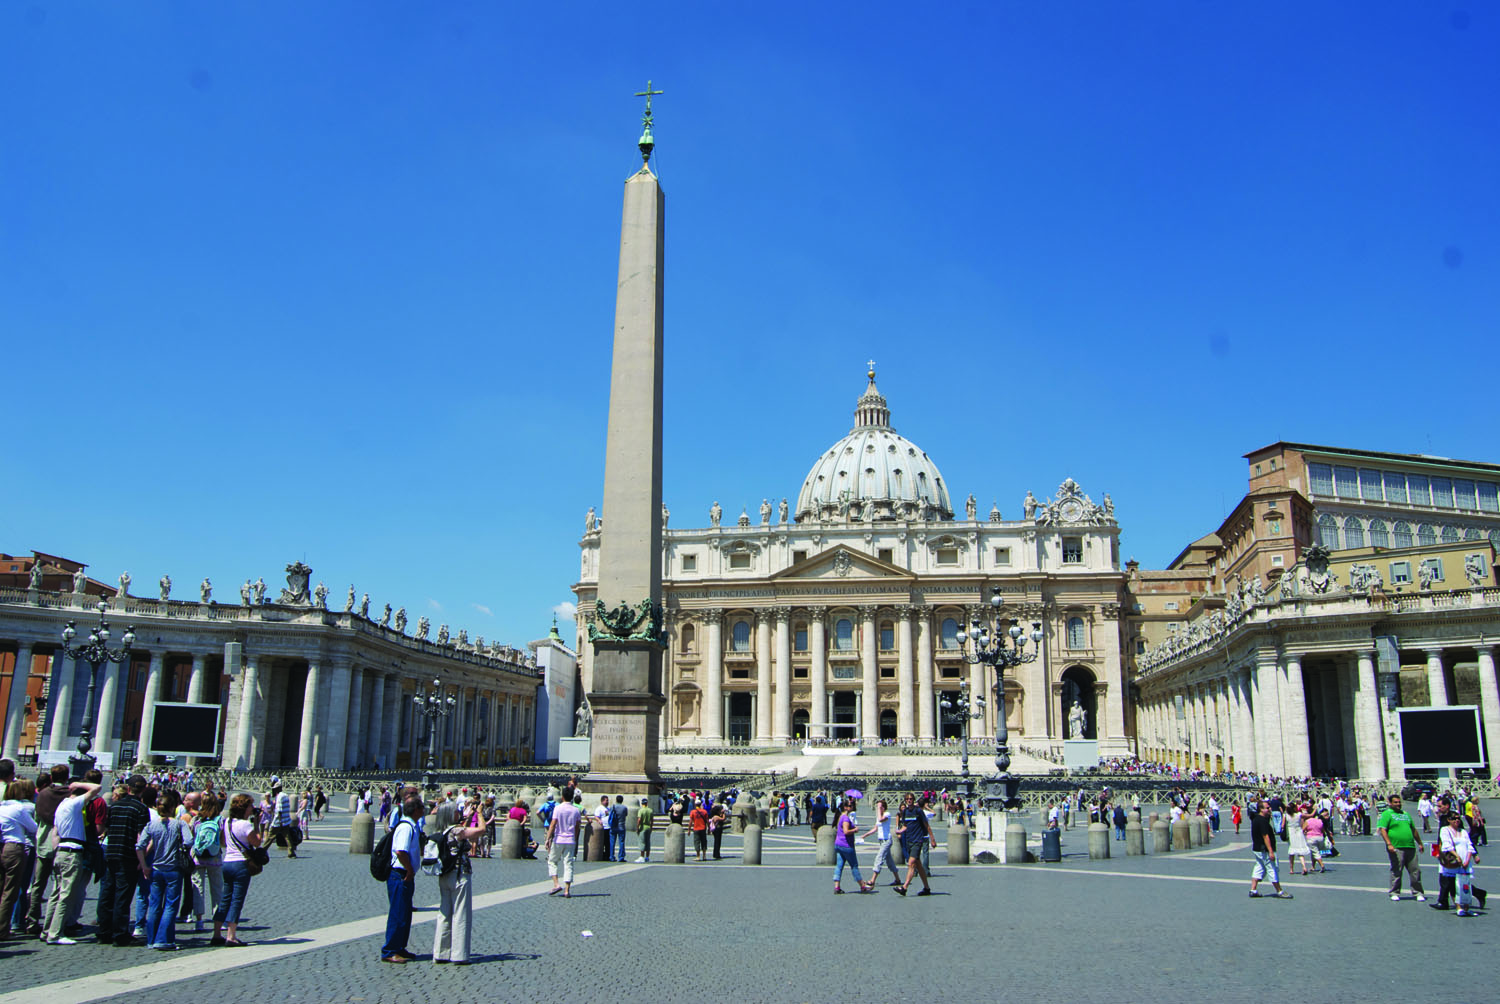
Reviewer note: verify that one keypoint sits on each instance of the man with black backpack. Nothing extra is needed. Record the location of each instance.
(401, 880)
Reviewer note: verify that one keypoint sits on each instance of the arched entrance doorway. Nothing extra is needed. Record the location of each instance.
(1078, 686)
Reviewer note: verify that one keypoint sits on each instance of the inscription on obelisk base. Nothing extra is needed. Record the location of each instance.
(627, 726)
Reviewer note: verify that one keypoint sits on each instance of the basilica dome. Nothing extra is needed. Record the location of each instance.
(873, 473)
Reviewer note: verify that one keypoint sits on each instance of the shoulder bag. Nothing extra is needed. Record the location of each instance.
(256, 858)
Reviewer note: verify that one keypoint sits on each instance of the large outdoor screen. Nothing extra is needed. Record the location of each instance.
(1441, 737)
(185, 730)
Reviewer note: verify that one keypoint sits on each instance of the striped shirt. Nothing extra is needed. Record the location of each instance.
(127, 817)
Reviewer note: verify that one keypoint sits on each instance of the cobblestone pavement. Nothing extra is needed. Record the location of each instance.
(1174, 926)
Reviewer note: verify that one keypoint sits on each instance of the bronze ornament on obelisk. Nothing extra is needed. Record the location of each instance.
(626, 628)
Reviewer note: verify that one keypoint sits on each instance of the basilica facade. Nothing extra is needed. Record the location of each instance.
(839, 617)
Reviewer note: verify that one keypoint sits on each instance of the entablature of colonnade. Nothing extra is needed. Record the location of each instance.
(1338, 623)
(269, 630)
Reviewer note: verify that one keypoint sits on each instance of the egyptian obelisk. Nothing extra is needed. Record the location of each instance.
(626, 630)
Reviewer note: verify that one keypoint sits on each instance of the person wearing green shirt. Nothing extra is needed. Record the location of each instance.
(1399, 831)
(643, 818)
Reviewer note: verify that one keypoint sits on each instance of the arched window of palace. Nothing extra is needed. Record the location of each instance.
(1077, 637)
(1378, 535)
(1354, 533)
(948, 637)
(1328, 532)
(843, 635)
(1450, 535)
(1401, 535)
(1426, 537)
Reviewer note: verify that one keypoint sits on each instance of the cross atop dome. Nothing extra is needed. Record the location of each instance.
(871, 411)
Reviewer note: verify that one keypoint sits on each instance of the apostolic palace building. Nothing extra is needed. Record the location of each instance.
(839, 616)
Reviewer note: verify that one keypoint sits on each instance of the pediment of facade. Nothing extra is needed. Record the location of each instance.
(842, 563)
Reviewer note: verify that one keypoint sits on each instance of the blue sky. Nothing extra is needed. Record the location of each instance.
(335, 281)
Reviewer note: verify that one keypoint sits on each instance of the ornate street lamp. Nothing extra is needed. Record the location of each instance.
(97, 653)
(433, 705)
(960, 712)
(995, 645)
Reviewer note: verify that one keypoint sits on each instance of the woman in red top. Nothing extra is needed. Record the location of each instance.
(1236, 816)
(699, 820)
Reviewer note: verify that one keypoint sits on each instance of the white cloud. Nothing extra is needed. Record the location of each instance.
(566, 610)
(483, 609)
(434, 604)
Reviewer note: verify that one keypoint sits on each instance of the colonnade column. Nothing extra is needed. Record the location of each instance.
(377, 720)
(869, 684)
(196, 683)
(1242, 725)
(926, 728)
(713, 680)
(762, 675)
(148, 706)
(244, 747)
(1437, 680)
(1489, 704)
(817, 715)
(905, 717)
(104, 731)
(60, 704)
(1371, 746)
(338, 716)
(781, 724)
(308, 739)
(1294, 720)
(1266, 703)
(15, 707)
(354, 726)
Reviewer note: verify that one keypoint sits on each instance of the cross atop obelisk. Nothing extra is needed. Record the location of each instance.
(625, 685)
(647, 142)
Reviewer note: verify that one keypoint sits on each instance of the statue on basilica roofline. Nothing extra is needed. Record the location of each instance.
(80, 581)
(245, 594)
(442, 635)
(782, 511)
(401, 620)
(364, 606)
(320, 596)
(423, 626)
(463, 638)
(205, 591)
(971, 507)
(165, 582)
(385, 617)
(1030, 505)
(590, 521)
(124, 584)
(715, 514)
(36, 575)
(666, 514)
(765, 512)
(259, 589)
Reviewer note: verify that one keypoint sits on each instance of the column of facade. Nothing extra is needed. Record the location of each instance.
(869, 684)
(781, 721)
(148, 706)
(1344, 680)
(906, 717)
(817, 712)
(926, 709)
(762, 675)
(309, 737)
(1367, 727)
(60, 701)
(338, 715)
(1437, 680)
(354, 725)
(1266, 702)
(15, 707)
(1294, 720)
(711, 714)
